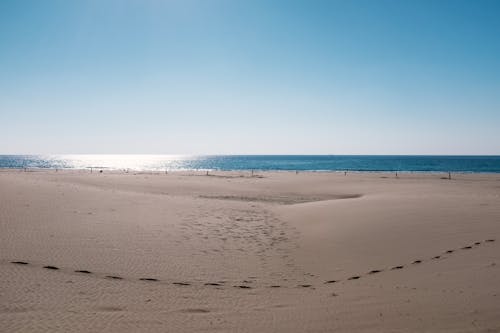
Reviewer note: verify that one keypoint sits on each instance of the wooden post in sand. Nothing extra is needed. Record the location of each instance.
(449, 175)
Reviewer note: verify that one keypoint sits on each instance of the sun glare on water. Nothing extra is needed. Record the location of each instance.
(117, 162)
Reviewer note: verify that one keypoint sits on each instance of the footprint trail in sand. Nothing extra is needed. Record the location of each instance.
(244, 284)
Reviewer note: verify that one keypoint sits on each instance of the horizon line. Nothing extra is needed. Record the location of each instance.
(166, 154)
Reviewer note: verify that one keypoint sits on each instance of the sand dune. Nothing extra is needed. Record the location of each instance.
(279, 252)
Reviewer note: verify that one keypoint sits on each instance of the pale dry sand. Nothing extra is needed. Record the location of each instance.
(266, 246)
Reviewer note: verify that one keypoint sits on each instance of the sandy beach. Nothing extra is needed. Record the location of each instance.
(232, 252)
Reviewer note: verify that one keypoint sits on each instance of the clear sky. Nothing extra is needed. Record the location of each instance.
(250, 77)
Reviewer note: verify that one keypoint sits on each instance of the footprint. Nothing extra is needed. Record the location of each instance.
(397, 267)
(331, 281)
(477, 243)
(212, 284)
(375, 271)
(305, 285)
(489, 240)
(181, 283)
(148, 279)
(19, 262)
(417, 262)
(436, 257)
(51, 267)
(450, 251)
(275, 286)
(354, 277)
(467, 248)
(195, 311)
(114, 277)
(243, 287)
(83, 271)
(110, 308)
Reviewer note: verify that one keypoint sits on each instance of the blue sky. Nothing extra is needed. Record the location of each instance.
(250, 77)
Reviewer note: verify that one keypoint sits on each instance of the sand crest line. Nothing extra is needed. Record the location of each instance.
(283, 200)
(243, 284)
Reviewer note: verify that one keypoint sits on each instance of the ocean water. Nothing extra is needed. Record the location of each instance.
(475, 164)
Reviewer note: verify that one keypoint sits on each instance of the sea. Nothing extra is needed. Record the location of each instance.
(319, 163)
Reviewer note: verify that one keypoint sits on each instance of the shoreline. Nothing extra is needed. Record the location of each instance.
(179, 171)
